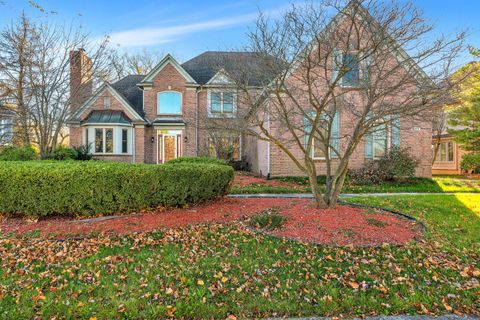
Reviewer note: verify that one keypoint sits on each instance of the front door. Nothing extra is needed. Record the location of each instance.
(169, 145)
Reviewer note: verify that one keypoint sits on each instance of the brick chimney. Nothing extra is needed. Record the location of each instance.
(81, 86)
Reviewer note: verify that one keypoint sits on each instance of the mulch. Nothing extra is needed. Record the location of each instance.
(244, 180)
(342, 225)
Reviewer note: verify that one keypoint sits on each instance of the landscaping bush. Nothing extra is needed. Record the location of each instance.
(85, 188)
(268, 220)
(63, 153)
(83, 152)
(396, 164)
(24, 153)
(471, 163)
(203, 160)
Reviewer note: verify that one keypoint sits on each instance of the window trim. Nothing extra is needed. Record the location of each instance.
(362, 68)
(221, 113)
(104, 142)
(123, 130)
(353, 54)
(170, 113)
(446, 161)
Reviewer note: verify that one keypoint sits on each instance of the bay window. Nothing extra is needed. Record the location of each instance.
(103, 140)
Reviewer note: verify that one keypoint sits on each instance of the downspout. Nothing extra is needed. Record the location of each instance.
(196, 120)
(133, 144)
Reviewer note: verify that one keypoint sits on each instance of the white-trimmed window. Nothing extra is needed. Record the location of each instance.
(124, 140)
(318, 147)
(169, 102)
(103, 140)
(445, 152)
(108, 140)
(381, 138)
(351, 68)
(221, 103)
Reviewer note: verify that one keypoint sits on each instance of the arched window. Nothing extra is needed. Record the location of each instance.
(169, 102)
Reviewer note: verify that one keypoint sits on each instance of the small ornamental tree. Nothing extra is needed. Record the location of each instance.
(332, 58)
(464, 120)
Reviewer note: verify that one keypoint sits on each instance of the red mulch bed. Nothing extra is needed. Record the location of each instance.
(244, 180)
(338, 226)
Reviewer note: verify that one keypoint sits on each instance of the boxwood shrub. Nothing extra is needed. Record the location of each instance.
(198, 160)
(41, 188)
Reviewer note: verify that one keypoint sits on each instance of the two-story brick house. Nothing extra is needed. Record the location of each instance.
(157, 117)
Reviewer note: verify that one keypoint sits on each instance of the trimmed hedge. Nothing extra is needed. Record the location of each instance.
(198, 160)
(46, 188)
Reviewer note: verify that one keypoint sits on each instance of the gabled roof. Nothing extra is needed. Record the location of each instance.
(400, 54)
(168, 59)
(75, 118)
(252, 66)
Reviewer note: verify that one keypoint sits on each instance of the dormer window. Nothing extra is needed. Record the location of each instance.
(169, 102)
(222, 103)
(106, 102)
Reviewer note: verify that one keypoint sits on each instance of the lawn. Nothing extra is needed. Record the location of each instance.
(213, 271)
(439, 184)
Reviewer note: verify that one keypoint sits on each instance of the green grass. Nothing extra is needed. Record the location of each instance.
(270, 219)
(212, 271)
(438, 184)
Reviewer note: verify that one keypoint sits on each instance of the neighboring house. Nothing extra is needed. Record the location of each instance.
(449, 153)
(6, 125)
(164, 114)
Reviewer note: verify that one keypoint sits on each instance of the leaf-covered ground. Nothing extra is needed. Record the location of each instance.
(213, 271)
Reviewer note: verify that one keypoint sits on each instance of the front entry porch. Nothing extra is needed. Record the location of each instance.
(169, 145)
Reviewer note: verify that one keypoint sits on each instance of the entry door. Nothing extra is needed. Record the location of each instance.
(169, 147)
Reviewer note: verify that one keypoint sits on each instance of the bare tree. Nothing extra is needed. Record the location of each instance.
(124, 64)
(15, 49)
(38, 76)
(330, 57)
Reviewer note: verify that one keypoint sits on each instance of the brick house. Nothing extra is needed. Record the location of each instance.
(157, 117)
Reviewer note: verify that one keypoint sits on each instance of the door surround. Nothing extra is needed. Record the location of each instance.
(161, 134)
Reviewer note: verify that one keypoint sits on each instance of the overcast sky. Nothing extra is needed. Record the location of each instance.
(186, 28)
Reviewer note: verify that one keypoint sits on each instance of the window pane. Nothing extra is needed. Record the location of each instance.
(352, 70)
(450, 151)
(215, 102)
(228, 102)
(169, 103)
(443, 152)
(108, 140)
(124, 140)
(99, 140)
(379, 141)
(318, 149)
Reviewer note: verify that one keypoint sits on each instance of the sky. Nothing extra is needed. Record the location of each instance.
(186, 28)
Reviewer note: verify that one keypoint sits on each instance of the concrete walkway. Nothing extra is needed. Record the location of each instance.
(343, 195)
(444, 317)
